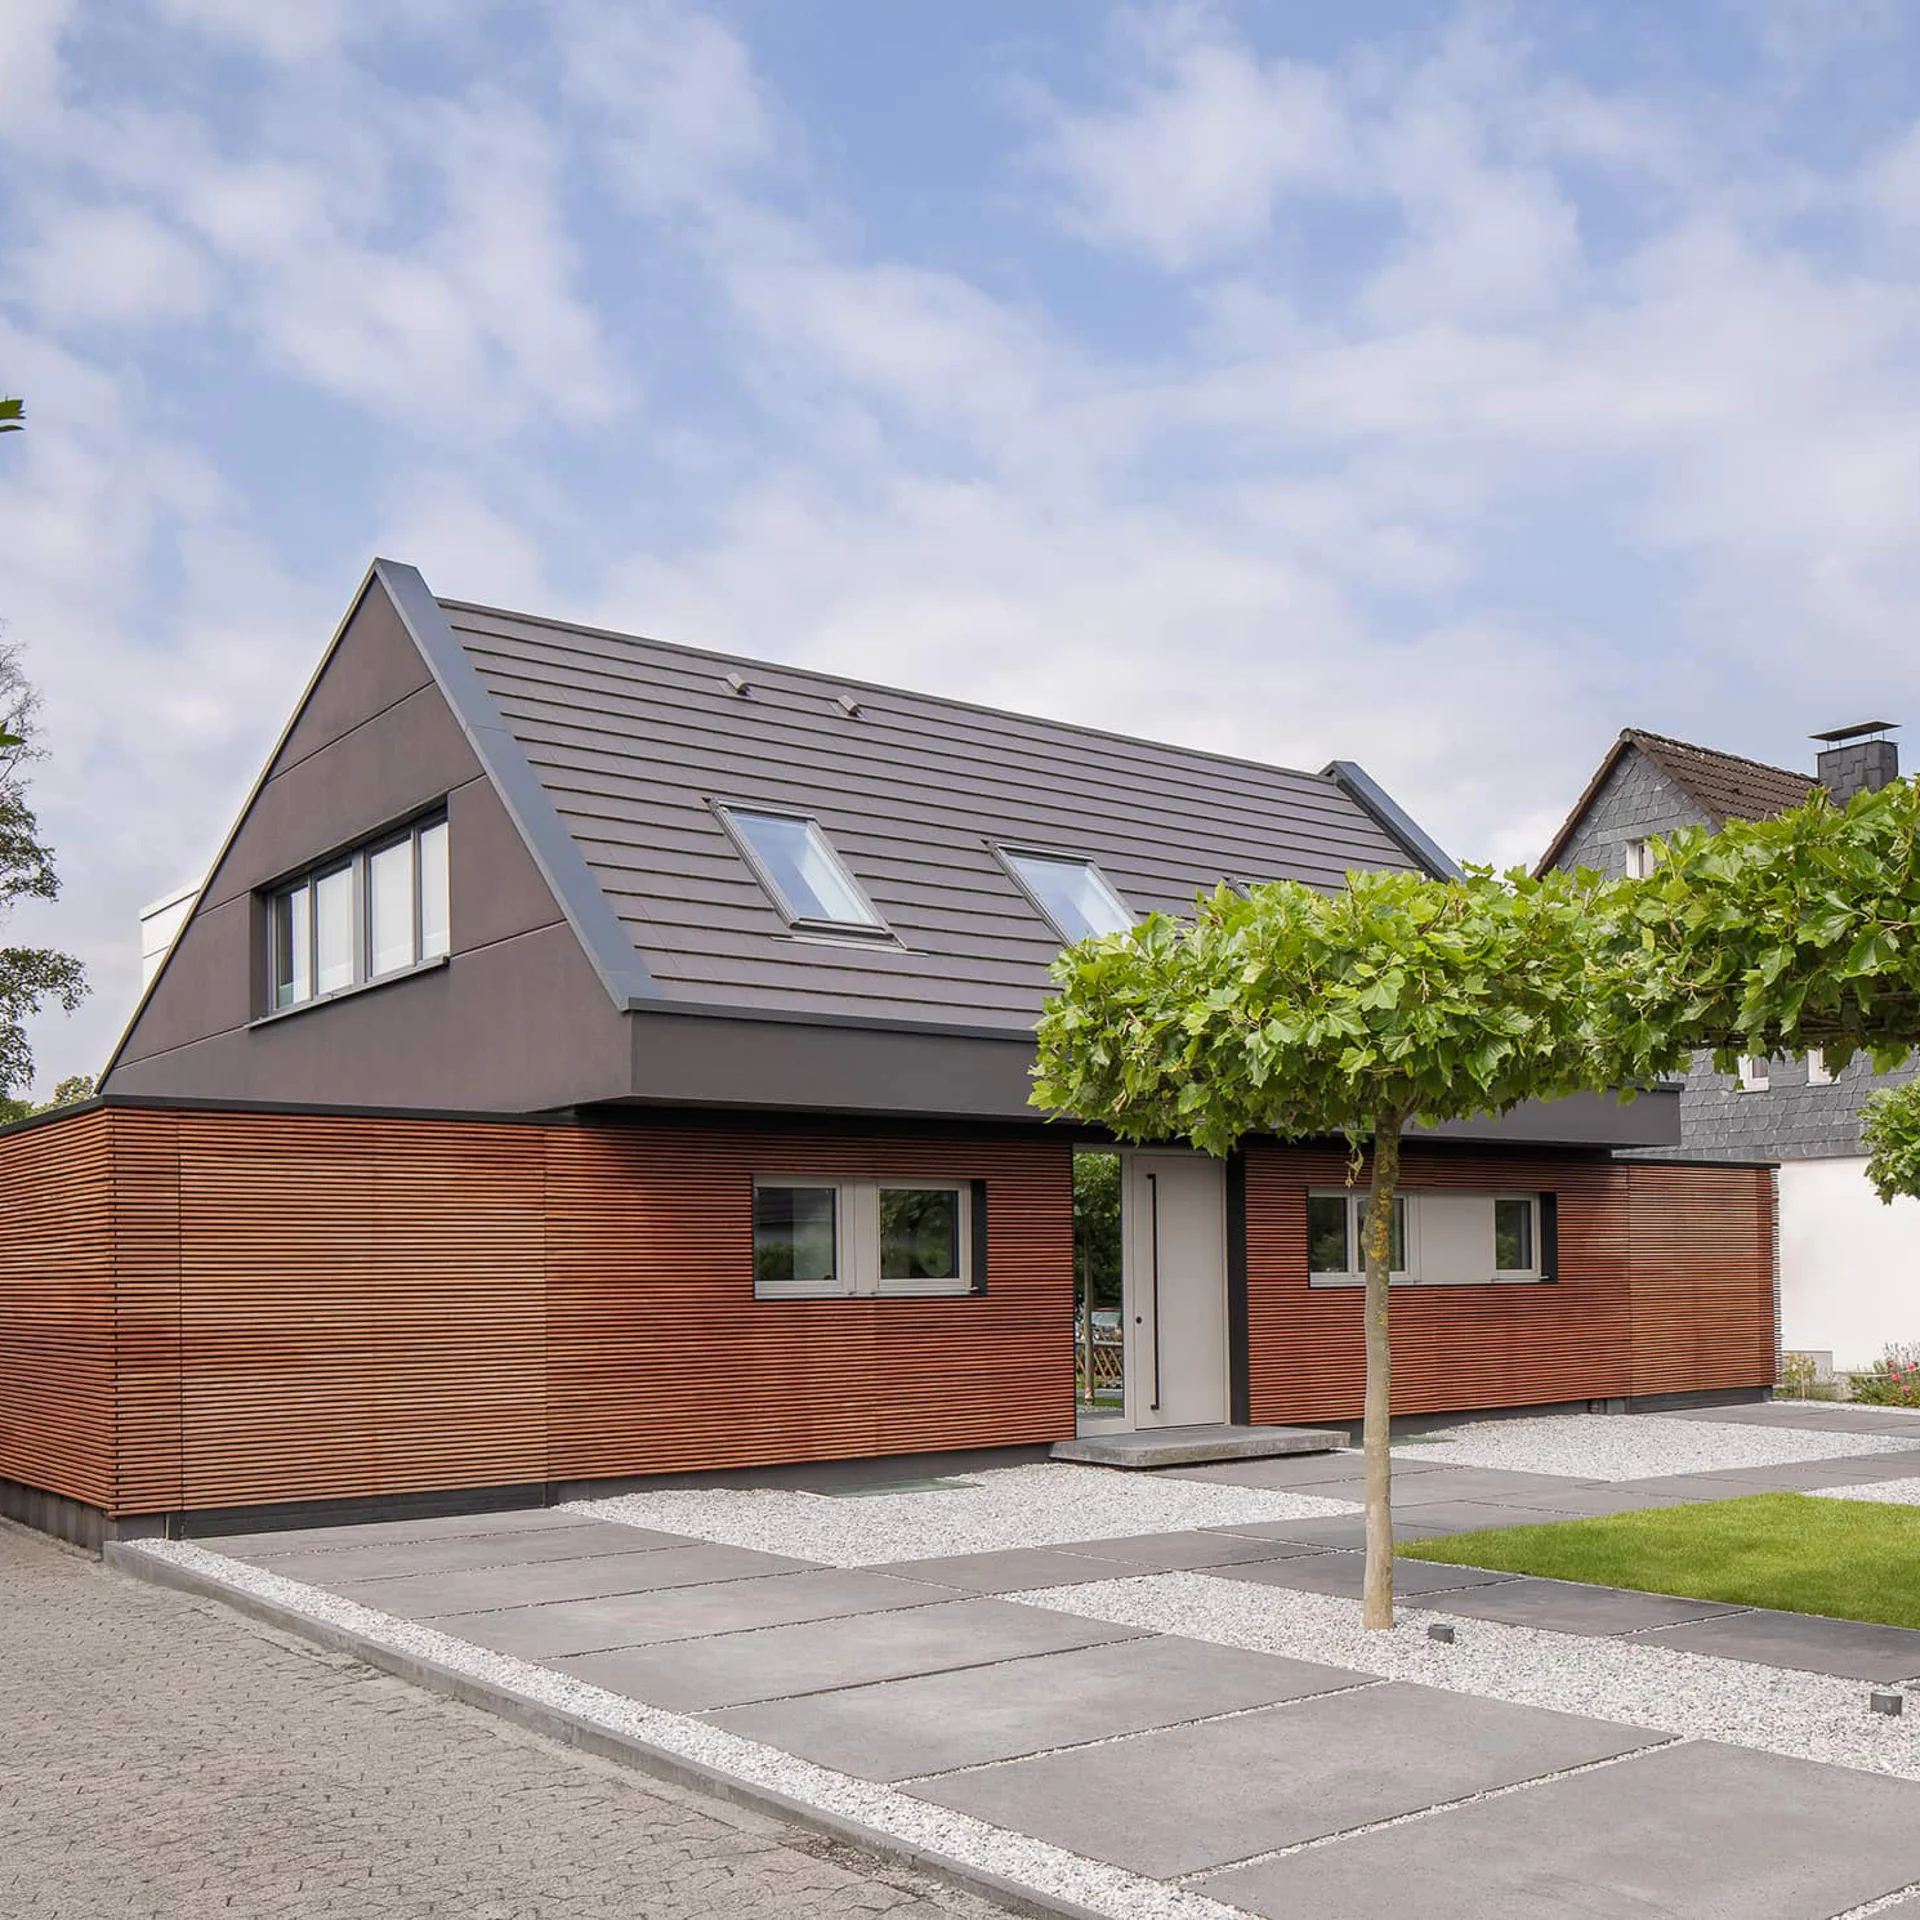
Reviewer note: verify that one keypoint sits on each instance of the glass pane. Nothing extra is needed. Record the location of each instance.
(436, 917)
(793, 1235)
(811, 880)
(333, 930)
(1513, 1236)
(1074, 893)
(390, 909)
(1397, 1239)
(1327, 1234)
(292, 947)
(919, 1233)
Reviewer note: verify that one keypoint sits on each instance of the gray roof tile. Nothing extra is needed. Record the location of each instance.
(633, 740)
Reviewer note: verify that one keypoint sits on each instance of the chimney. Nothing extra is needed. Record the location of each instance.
(1857, 759)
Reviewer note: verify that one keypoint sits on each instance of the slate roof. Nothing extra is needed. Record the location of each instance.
(1724, 786)
(633, 740)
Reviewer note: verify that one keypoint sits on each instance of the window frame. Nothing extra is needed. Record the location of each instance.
(875, 927)
(1535, 1234)
(1752, 1074)
(857, 1245)
(1011, 852)
(1545, 1242)
(1819, 1074)
(355, 863)
(1641, 860)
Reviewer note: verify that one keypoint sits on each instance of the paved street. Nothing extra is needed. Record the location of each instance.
(161, 1756)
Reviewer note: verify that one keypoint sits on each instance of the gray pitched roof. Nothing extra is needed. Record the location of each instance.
(633, 741)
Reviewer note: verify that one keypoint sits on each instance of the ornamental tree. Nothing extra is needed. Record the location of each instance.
(1890, 1132)
(1293, 1013)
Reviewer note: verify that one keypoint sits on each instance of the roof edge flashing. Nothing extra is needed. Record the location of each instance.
(602, 936)
(1400, 826)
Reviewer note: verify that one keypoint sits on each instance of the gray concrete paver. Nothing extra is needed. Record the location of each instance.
(439, 1526)
(430, 1596)
(327, 1565)
(1180, 1552)
(932, 1723)
(1341, 1572)
(1189, 1798)
(1009, 1570)
(687, 1613)
(164, 1759)
(1809, 1643)
(1709, 1831)
(1567, 1606)
(732, 1669)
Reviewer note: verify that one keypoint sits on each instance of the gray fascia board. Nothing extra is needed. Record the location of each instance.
(1368, 793)
(602, 936)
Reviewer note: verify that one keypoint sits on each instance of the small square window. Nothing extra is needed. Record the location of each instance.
(1641, 859)
(796, 1239)
(1819, 1074)
(1515, 1236)
(1327, 1234)
(1752, 1072)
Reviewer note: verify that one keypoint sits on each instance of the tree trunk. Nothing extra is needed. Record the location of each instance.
(1377, 1603)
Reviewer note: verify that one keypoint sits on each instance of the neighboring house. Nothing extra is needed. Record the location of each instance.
(1849, 1267)
(589, 1057)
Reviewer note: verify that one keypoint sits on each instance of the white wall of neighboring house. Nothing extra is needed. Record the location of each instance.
(158, 924)
(1849, 1266)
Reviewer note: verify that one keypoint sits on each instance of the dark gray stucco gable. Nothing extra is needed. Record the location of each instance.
(517, 1021)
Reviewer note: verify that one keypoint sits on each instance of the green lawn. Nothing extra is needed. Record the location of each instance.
(1853, 1559)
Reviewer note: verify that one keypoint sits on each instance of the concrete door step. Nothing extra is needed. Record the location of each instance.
(1196, 1446)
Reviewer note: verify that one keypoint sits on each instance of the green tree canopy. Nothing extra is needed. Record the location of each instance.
(30, 977)
(1288, 1012)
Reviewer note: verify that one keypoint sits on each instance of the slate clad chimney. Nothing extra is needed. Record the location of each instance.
(1857, 759)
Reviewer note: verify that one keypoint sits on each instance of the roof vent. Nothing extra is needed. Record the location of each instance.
(847, 705)
(735, 684)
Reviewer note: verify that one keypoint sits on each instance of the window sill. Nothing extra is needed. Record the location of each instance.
(436, 965)
(872, 1299)
(1408, 1280)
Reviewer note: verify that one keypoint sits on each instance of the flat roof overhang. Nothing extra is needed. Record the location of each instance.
(736, 1058)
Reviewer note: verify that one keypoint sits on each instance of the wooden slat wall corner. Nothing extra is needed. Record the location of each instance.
(57, 1425)
(148, 1474)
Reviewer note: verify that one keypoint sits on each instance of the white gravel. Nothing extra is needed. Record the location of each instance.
(1051, 1870)
(1892, 1493)
(1810, 1716)
(1037, 1506)
(1638, 1446)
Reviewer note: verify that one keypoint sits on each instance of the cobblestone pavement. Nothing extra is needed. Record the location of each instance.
(160, 1756)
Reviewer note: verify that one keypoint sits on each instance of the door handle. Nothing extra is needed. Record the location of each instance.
(1153, 1229)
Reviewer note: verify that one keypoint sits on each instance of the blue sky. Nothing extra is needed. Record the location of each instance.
(1439, 387)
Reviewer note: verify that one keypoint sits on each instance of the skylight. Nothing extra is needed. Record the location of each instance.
(1074, 894)
(801, 870)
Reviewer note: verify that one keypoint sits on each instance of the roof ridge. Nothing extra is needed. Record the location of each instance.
(851, 683)
(1640, 735)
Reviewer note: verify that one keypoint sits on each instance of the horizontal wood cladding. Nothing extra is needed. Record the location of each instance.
(57, 1193)
(1665, 1285)
(206, 1310)
(661, 1358)
(202, 1309)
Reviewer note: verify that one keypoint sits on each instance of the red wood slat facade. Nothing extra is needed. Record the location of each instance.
(209, 1309)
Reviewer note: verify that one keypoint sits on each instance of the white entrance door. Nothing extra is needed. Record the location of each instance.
(1174, 1218)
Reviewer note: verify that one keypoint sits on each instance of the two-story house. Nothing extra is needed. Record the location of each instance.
(589, 1057)
(1848, 1264)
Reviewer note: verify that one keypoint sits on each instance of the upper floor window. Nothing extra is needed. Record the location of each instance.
(1752, 1073)
(1819, 1074)
(1640, 859)
(1074, 894)
(798, 866)
(378, 910)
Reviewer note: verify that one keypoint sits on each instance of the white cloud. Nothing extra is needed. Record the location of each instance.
(1191, 162)
(115, 265)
